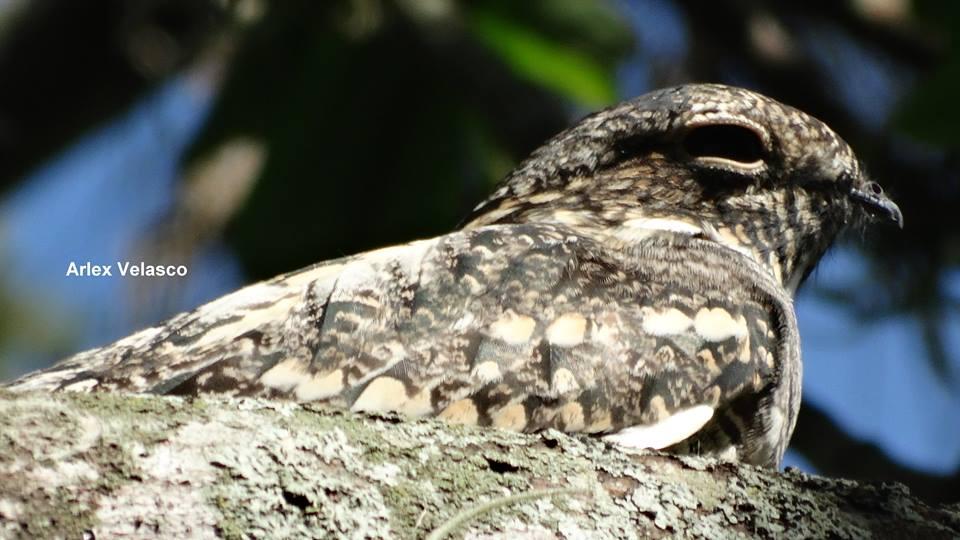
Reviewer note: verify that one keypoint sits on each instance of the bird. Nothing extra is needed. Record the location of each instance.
(632, 279)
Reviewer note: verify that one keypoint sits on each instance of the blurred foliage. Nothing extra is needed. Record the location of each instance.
(69, 65)
(546, 60)
(391, 129)
(386, 120)
(930, 113)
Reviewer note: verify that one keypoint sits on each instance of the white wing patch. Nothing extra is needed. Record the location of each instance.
(638, 229)
(512, 328)
(666, 322)
(292, 374)
(717, 325)
(568, 330)
(666, 432)
(381, 395)
(285, 375)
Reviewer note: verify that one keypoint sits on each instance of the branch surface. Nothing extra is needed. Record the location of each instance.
(141, 466)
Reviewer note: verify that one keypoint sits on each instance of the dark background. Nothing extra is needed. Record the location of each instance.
(249, 138)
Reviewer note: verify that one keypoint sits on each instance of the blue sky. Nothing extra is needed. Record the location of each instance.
(93, 202)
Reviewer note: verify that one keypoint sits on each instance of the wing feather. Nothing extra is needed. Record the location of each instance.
(521, 326)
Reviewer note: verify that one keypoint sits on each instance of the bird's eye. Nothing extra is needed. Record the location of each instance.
(727, 142)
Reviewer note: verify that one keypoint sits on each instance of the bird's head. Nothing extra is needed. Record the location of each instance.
(714, 161)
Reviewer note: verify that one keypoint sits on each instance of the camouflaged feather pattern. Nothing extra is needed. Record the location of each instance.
(615, 285)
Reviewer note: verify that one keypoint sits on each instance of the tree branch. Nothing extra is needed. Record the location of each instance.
(115, 465)
(833, 451)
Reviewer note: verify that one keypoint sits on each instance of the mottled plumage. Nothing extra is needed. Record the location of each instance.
(632, 279)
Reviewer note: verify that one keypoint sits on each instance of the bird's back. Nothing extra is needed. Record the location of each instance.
(518, 326)
(632, 278)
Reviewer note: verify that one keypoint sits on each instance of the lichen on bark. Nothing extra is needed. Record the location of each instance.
(143, 466)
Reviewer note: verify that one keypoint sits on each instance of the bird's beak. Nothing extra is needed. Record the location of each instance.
(873, 200)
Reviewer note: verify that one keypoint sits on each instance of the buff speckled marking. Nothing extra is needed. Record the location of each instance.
(632, 279)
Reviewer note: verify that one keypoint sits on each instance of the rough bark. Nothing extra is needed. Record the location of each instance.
(109, 465)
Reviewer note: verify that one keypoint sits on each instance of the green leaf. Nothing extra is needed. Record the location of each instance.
(553, 65)
(928, 112)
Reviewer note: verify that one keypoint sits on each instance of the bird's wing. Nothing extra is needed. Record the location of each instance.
(520, 326)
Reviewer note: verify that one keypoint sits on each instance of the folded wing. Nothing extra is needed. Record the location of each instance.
(524, 327)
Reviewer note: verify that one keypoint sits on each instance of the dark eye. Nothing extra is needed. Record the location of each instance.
(725, 141)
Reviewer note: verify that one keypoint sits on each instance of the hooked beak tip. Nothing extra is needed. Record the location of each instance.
(877, 203)
(895, 214)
